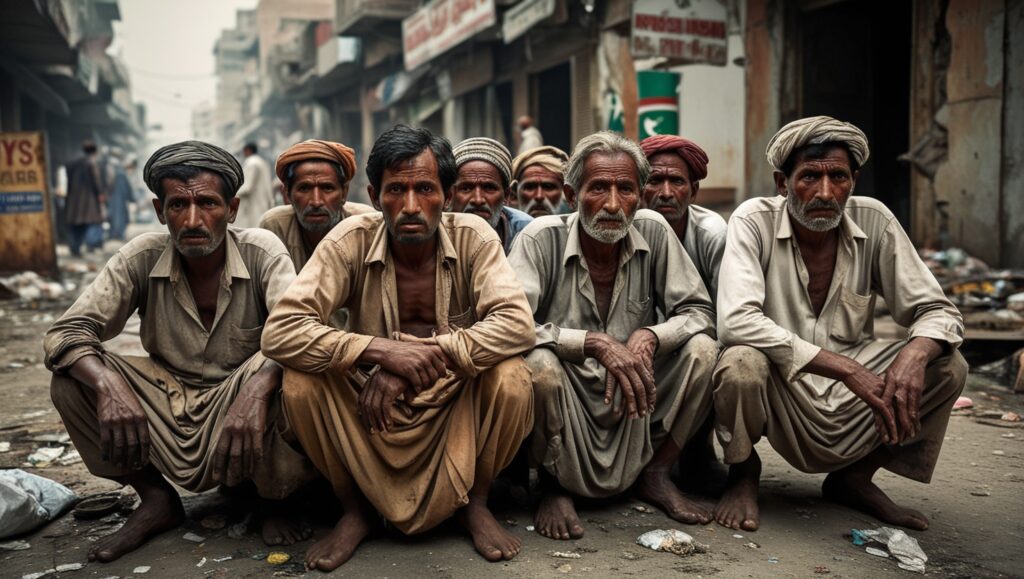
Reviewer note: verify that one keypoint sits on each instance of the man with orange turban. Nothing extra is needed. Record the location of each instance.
(677, 167)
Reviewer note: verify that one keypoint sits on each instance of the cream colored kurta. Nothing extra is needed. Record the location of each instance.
(281, 221)
(469, 423)
(256, 195)
(704, 242)
(815, 422)
(193, 374)
(580, 440)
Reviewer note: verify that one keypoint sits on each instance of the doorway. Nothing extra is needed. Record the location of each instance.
(552, 100)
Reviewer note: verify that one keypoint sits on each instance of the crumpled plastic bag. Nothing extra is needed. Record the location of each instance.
(28, 501)
(671, 541)
(902, 547)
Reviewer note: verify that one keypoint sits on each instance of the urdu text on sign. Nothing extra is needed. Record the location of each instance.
(690, 31)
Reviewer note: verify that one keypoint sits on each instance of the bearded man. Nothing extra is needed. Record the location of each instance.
(625, 341)
(483, 185)
(538, 176)
(203, 408)
(415, 408)
(801, 274)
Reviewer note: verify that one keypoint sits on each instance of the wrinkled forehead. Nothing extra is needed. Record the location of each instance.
(822, 157)
(540, 173)
(420, 167)
(478, 170)
(610, 166)
(202, 184)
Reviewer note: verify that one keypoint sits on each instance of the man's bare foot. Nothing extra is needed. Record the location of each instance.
(655, 487)
(279, 529)
(159, 511)
(737, 509)
(337, 547)
(489, 538)
(556, 517)
(860, 493)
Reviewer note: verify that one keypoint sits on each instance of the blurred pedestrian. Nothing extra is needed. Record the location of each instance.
(257, 193)
(85, 200)
(121, 194)
(531, 137)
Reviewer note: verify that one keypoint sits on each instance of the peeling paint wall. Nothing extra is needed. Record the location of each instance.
(1013, 138)
(764, 50)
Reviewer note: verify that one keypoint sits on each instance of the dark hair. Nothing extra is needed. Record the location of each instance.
(402, 142)
(186, 172)
(289, 171)
(819, 151)
(251, 146)
(88, 147)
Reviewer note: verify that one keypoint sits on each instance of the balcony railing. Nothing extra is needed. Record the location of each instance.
(356, 17)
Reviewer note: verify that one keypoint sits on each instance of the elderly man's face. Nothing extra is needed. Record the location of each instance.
(609, 196)
(317, 195)
(411, 198)
(478, 191)
(540, 191)
(817, 189)
(195, 213)
(669, 189)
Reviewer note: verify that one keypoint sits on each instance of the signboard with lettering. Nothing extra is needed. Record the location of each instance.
(26, 227)
(523, 16)
(441, 25)
(685, 31)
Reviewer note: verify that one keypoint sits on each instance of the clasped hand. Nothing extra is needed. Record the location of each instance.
(630, 367)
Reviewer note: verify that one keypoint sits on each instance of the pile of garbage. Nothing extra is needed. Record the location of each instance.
(30, 286)
(989, 299)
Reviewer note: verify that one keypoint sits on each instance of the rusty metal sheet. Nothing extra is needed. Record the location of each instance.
(27, 240)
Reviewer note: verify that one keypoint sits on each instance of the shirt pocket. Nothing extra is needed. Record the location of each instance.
(851, 316)
(244, 343)
(462, 321)
(639, 311)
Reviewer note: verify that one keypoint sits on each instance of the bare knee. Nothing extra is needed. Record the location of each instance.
(741, 371)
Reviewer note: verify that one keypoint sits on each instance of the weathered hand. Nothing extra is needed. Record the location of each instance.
(240, 446)
(625, 369)
(904, 383)
(870, 388)
(377, 399)
(644, 343)
(420, 364)
(124, 427)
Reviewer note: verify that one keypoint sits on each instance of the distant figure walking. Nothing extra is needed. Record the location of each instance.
(256, 193)
(85, 202)
(121, 194)
(531, 137)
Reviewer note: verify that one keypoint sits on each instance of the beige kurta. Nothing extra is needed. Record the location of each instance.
(468, 424)
(256, 195)
(704, 242)
(192, 375)
(590, 450)
(763, 303)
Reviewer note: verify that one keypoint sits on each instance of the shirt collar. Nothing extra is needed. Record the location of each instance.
(784, 229)
(169, 263)
(379, 246)
(632, 243)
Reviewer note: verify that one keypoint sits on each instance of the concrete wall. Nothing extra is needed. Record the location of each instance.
(764, 35)
(1013, 138)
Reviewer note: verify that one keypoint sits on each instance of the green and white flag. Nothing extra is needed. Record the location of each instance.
(658, 102)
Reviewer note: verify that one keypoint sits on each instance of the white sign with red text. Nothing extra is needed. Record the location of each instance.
(690, 31)
(441, 25)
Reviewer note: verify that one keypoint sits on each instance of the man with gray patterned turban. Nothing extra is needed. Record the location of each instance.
(484, 184)
(799, 281)
(202, 408)
(625, 341)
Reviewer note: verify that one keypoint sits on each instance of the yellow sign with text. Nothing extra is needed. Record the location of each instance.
(26, 223)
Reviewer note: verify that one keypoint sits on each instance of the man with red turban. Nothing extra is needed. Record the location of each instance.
(677, 167)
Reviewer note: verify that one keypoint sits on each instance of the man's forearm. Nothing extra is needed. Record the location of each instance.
(91, 371)
(925, 349)
(832, 365)
(265, 381)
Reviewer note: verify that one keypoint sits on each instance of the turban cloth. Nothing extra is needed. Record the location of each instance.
(484, 149)
(193, 154)
(694, 157)
(551, 158)
(815, 131)
(317, 150)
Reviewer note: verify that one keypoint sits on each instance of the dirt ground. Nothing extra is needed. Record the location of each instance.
(975, 503)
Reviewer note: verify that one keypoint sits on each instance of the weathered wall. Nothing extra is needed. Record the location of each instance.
(1013, 138)
(764, 50)
(970, 180)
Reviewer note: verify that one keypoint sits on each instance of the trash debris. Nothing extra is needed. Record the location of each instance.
(29, 286)
(45, 455)
(5, 446)
(737, 536)
(641, 509)
(773, 559)
(902, 547)
(27, 501)
(15, 545)
(753, 545)
(15, 365)
(1010, 417)
(98, 505)
(221, 559)
(980, 493)
(567, 568)
(69, 458)
(190, 536)
(821, 569)
(68, 567)
(239, 529)
(142, 569)
(214, 522)
(564, 555)
(963, 403)
(511, 522)
(39, 574)
(671, 541)
(278, 558)
(58, 438)
(999, 452)
(201, 562)
(530, 528)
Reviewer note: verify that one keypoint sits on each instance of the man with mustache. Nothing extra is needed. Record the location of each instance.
(625, 341)
(202, 409)
(416, 407)
(538, 178)
(483, 184)
(800, 277)
(677, 167)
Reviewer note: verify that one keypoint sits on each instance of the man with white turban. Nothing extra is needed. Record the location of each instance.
(203, 408)
(800, 278)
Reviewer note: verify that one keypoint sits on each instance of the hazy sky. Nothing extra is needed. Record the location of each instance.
(168, 47)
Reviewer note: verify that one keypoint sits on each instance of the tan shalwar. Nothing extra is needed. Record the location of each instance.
(468, 424)
(577, 438)
(192, 375)
(765, 313)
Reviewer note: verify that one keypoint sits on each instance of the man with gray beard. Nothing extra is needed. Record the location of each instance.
(625, 341)
(800, 276)
(203, 408)
(538, 176)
